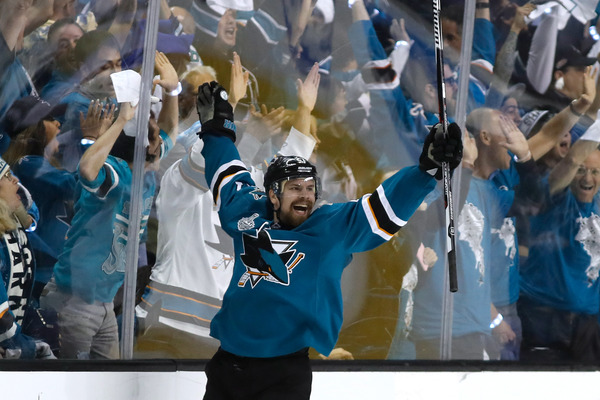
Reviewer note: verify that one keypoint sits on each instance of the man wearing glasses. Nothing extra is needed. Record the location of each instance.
(560, 290)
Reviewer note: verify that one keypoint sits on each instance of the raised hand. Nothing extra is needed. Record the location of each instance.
(264, 124)
(127, 112)
(438, 149)
(514, 140)
(168, 76)
(519, 23)
(214, 111)
(398, 31)
(239, 81)
(588, 92)
(308, 90)
(469, 150)
(98, 119)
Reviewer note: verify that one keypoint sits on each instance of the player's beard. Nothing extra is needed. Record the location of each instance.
(290, 220)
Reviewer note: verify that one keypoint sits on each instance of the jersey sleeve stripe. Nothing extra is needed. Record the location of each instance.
(110, 182)
(371, 218)
(9, 333)
(380, 215)
(389, 211)
(224, 175)
(107, 185)
(225, 181)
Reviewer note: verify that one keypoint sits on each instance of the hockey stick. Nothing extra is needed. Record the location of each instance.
(439, 58)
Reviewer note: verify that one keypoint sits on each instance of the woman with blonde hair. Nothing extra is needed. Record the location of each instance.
(17, 268)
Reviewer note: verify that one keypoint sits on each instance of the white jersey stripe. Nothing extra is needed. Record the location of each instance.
(372, 220)
(388, 208)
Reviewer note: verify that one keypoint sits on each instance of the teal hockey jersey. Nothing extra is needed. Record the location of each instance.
(285, 293)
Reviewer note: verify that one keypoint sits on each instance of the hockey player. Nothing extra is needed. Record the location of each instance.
(192, 271)
(285, 292)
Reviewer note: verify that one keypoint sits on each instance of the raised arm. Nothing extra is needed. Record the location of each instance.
(13, 19)
(94, 157)
(540, 63)
(514, 141)
(595, 106)
(169, 81)
(239, 81)
(564, 172)
(307, 97)
(552, 132)
(505, 60)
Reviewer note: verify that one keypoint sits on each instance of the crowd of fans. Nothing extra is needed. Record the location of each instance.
(351, 86)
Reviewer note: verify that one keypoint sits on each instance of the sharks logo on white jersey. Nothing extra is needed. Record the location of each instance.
(589, 237)
(470, 229)
(506, 233)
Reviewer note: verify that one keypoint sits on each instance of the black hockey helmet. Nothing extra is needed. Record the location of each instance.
(285, 168)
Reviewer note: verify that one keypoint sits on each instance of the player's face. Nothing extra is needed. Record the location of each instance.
(586, 182)
(8, 190)
(296, 201)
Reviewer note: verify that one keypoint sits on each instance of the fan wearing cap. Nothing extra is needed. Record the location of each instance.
(91, 267)
(550, 136)
(17, 268)
(33, 118)
(285, 292)
(31, 125)
(570, 67)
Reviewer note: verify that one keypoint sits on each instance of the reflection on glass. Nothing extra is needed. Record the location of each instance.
(351, 86)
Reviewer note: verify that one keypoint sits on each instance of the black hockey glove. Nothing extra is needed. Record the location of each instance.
(438, 149)
(214, 111)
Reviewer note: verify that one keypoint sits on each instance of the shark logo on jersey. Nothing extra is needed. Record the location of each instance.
(67, 215)
(268, 259)
(470, 229)
(589, 237)
(507, 234)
